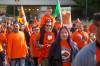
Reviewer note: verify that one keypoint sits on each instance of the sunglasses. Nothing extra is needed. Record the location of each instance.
(35, 30)
(48, 25)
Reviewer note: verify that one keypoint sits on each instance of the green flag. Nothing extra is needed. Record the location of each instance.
(57, 10)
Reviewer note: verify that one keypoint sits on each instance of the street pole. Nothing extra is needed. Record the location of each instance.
(86, 11)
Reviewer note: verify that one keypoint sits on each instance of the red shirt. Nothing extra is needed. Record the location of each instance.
(98, 56)
(49, 38)
(66, 53)
(81, 38)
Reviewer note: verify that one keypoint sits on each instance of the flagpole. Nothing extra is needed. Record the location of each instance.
(24, 17)
(60, 13)
(23, 13)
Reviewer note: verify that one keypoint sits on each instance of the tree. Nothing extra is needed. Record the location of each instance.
(92, 6)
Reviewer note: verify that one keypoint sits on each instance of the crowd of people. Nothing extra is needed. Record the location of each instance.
(49, 43)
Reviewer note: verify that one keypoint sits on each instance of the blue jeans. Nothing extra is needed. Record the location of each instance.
(17, 62)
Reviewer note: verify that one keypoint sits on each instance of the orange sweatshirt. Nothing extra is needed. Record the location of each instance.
(16, 47)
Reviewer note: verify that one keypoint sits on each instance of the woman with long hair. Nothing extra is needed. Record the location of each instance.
(63, 51)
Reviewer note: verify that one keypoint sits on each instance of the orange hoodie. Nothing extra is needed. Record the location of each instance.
(34, 49)
(44, 18)
(16, 47)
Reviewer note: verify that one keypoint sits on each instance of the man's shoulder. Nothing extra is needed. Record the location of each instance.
(86, 56)
(89, 49)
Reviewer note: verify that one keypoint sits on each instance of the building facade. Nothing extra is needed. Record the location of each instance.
(36, 2)
(34, 7)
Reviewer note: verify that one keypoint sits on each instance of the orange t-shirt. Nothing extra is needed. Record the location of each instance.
(65, 53)
(3, 38)
(98, 56)
(34, 49)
